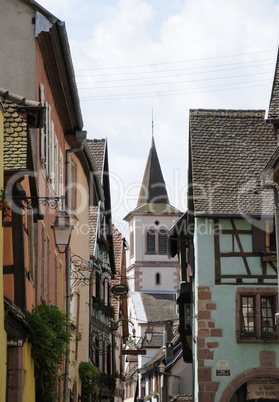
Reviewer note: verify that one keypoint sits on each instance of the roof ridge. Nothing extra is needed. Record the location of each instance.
(18, 99)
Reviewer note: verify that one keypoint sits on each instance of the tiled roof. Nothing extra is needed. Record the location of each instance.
(159, 307)
(273, 112)
(117, 248)
(151, 363)
(93, 218)
(157, 208)
(131, 358)
(153, 188)
(229, 150)
(97, 148)
(156, 342)
(15, 129)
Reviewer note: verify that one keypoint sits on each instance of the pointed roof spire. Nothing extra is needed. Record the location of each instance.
(153, 188)
(152, 125)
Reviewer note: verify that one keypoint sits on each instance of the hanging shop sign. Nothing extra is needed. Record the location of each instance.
(133, 352)
(263, 388)
(119, 290)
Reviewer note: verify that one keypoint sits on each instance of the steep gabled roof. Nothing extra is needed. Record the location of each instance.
(229, 151)
(97, 148)
(159, 306)
(153, 188)
(273, 111)
(19, 115)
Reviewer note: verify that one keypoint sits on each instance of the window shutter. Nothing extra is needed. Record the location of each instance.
(163, 242)
(56, 177)
(43, 129)
(46, 145)
(150, 240)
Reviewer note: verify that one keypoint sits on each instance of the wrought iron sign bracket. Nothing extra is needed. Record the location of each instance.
(25, 205)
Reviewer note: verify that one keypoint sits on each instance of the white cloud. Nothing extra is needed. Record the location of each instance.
(136, 32)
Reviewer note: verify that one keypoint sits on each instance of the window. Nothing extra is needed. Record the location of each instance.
(264, 239)
(97, 352)
(31, 243)
(267, 314)
(61, 172)
(43, 263)
(158, 279)
(73, 186)
(104, 290)
(97, 285)
(131, 244)
(157, 241)
(108, 294)
(163, 242)
(248, 313)
(150, 242)
(103, 352)
(256, 311)
(108, 360)
(56, 164)
(47, 143)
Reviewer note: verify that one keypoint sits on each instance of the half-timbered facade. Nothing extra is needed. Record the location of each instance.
(230, 223)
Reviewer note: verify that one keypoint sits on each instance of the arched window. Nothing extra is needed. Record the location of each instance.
(158, 279)
(150, 242)
(163, 242)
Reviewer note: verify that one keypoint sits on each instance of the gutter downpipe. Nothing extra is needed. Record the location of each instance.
(68, 271)
(275, 192)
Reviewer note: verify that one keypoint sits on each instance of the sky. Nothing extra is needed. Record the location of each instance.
(138, 60)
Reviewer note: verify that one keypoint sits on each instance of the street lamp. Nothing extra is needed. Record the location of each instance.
(161, 368)
(62, 229)
(148, 334)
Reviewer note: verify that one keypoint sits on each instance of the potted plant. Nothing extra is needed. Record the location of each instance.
(268, 256)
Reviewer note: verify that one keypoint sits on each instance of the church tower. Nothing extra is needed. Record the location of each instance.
(153, 278)
(149, 266)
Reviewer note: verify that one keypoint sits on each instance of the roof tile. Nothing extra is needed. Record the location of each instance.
(229, 151)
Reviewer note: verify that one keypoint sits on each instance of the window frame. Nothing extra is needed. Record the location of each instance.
(148, 241)
(157, 241)
(158, 278)
(162, 241)
(257, 335)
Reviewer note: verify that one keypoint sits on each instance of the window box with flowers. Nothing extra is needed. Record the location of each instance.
(268, 256)
(154, 396)
(106, 310)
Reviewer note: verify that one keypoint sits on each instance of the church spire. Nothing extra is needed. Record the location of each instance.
(153, 188)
